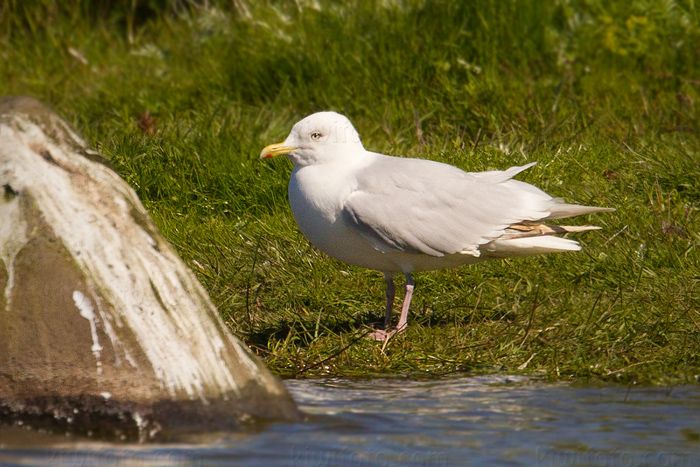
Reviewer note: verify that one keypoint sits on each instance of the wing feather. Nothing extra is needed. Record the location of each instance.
(425, 207)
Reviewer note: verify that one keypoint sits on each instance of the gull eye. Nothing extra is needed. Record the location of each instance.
(315, 136)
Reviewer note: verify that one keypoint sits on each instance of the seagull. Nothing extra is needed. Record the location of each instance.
(406, 215)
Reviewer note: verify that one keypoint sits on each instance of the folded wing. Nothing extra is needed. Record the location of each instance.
(425, 207)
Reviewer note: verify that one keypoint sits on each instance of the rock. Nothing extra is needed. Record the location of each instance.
(103, 329)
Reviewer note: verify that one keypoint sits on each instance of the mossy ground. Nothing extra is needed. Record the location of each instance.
(182, 96)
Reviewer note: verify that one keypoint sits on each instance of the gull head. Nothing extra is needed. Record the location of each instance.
(318, 138)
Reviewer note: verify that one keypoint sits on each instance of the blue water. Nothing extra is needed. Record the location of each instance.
(483, 420)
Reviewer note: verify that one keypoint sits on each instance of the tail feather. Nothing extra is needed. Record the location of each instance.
(529, 238)
(528, 246)
(562, 210)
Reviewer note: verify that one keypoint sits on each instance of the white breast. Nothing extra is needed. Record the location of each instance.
(316, 195)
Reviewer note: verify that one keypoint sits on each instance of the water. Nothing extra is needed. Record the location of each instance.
(484, 420)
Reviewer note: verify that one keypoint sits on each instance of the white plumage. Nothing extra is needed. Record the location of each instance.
(400, 215)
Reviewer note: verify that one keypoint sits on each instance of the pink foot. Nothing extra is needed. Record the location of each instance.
(381, 334)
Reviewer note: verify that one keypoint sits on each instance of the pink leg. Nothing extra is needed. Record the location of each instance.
(408, 289)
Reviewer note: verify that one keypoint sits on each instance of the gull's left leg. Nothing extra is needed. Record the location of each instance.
(408, 295)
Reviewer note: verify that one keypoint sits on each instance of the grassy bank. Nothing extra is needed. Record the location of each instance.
(604, 95)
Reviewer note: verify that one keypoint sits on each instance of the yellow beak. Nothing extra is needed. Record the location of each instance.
(275, 150)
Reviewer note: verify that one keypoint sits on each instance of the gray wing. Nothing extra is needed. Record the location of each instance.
(425, 207)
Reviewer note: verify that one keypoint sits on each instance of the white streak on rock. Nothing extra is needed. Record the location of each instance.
(116, 343)
(88, 312)
(13, 236)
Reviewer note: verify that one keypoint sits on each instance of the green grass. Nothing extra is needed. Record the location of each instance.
(604, 95)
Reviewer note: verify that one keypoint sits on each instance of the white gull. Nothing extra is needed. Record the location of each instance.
(400, 215)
